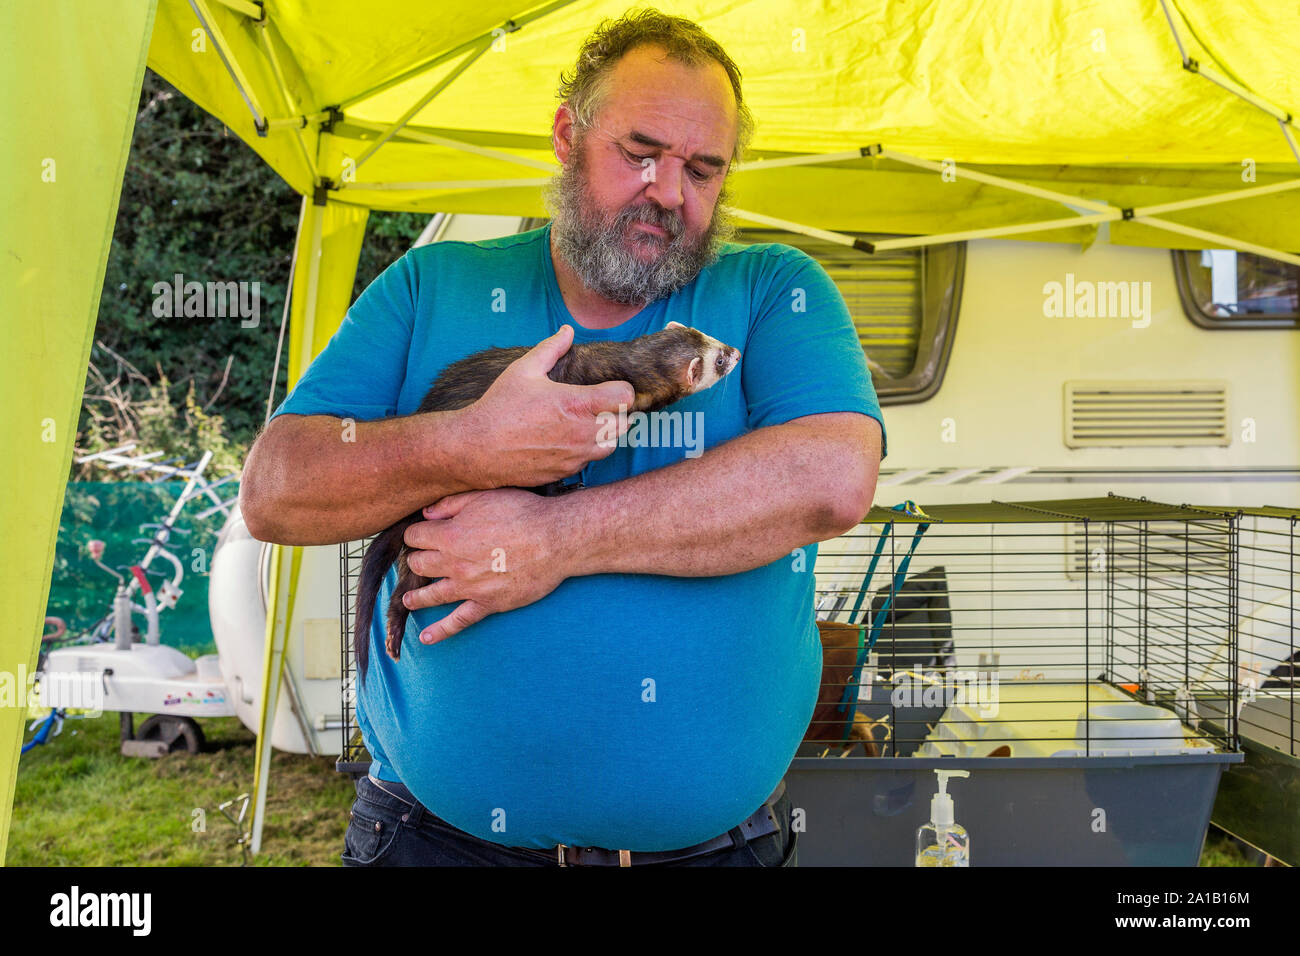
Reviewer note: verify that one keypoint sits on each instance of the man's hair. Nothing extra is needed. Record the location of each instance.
(585, 87)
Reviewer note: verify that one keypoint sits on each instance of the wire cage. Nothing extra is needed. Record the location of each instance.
(1068, 654)
(1257, 800)
(1051, 628)
(353, 757)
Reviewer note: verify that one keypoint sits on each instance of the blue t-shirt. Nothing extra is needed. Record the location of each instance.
(627, 711)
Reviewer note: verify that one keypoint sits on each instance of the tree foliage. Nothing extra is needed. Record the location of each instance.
(197, 201)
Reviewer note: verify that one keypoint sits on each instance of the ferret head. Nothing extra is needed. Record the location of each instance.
(710, 362)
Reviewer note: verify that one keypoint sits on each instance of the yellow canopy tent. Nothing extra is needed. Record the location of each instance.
(1140, 122)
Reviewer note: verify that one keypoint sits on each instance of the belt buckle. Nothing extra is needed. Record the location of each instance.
(624, 856)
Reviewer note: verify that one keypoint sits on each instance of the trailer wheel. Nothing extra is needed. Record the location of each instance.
(178, 733)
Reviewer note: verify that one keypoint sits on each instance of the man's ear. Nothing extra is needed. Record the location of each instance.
(562, 133)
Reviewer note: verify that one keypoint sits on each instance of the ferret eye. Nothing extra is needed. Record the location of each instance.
(720, 362)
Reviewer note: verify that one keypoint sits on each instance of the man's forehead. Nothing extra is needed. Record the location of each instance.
(659, 102)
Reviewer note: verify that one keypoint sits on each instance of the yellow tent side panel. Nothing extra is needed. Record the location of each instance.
(71, 81)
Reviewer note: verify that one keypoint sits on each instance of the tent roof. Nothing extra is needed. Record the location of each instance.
(1090, 96)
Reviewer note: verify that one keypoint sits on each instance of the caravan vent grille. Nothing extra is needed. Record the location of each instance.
(1146, 413)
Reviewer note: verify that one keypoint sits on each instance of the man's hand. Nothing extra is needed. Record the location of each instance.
(494, 551)
(316, 479)
(535, 431)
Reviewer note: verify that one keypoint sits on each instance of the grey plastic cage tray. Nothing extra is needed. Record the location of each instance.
(1033, 811)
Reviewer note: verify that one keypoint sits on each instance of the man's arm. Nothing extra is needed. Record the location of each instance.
(303, 483)
(741, 505)
(316, 479)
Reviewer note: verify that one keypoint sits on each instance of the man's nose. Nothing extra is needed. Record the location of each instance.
(665, 186)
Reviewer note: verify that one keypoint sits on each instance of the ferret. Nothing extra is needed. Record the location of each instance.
(661, 367)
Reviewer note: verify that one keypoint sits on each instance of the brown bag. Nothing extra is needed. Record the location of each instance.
(839, 659)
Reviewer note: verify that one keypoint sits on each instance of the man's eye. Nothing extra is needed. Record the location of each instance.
(699, 176)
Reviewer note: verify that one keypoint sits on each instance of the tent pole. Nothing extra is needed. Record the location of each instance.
(312, 174)
(913, 242)
(967, 173)
(313, 284)
(1069, 222)
(272, 674)
(510, 26)
(1290, 140)
(284, 316)
(457, 144)
(1216, 198)
(1182, 51)
(1222, 241)
(1191, 65)
(246, 7)
(424, 101)
(200, 8)
(451, 184)
(839, 238)
(807, 159)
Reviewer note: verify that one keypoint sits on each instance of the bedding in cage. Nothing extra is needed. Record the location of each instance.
(1064, 652)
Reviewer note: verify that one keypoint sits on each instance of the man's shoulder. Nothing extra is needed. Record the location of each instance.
(763, 256)
(471, 249)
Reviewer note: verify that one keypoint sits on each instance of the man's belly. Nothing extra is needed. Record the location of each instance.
(629, 712)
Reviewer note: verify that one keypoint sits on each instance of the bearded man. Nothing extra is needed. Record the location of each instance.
(632, 687)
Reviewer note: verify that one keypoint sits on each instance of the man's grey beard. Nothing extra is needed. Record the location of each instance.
(598, 252)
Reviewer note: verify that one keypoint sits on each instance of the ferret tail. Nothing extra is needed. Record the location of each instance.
(380, 555)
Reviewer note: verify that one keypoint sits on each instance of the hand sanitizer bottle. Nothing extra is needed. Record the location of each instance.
(941, 842)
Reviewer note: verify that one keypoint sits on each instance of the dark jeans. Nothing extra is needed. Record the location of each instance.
(389, 827)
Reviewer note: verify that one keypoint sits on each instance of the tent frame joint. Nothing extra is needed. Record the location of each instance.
(332, 115)
(320, 196)
(868, 151)
(1127, 212)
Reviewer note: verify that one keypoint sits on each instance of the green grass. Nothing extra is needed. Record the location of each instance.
(1221, 849)
(79, 802)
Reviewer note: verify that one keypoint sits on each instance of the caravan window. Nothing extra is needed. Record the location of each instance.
(904, 304)
(1226, 289)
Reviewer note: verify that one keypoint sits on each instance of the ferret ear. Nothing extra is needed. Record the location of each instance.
(674, 325)
(694, 373)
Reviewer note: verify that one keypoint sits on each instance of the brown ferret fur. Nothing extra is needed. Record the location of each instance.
(662, 367)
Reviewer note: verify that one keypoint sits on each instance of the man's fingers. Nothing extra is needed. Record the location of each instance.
(431, 595)
(462, 617)
(450, 506)
(541, 358)
(611, 397)
(423, 535)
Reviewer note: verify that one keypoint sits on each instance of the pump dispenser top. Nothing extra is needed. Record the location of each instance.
(941, 813)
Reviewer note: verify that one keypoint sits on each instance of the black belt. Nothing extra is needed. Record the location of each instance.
(760, 823)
